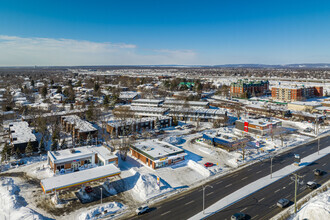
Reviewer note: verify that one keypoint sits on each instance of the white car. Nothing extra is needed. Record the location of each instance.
(142, 210)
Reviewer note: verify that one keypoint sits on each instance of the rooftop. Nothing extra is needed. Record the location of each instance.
(21, 132)
(82, 125)
(70, 154)
(157, 149)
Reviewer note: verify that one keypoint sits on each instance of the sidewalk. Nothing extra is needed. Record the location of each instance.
(259, 184)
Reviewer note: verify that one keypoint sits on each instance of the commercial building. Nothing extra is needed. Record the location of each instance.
(295, 93)
(147, 102)
(226, 141)
(157, 154)
(245, 88)
(260, 126)
(174, 103)
(20, 135)
(304, 106)
(201, 114)
(118, 127)
(143, 111)
(80, 129)
(80, 158)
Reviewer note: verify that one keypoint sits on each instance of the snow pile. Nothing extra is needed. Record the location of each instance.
(174, 140)
(146, 187)
(102, 211)
(12, 205)
(199, 168)
(318, 208)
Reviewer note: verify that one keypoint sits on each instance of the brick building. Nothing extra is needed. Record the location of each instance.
(245, 88)
(80, 129)
(296, 93)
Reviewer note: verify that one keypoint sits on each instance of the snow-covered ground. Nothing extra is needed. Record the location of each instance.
(318, 208)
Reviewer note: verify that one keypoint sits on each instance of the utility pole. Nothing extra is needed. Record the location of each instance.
(101, 195)
(204, 187)
(296, 177)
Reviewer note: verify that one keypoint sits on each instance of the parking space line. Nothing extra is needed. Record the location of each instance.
(259, 171)
(254, 216)
(324, 164)
(277, 190)
(243, 209)
(261, 199)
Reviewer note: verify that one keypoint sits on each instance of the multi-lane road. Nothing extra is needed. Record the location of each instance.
(189, 203)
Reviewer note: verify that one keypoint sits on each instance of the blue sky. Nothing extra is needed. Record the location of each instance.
(163, 32)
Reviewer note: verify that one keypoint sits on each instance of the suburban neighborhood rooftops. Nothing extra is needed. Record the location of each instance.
(157, 149)
(154, 101)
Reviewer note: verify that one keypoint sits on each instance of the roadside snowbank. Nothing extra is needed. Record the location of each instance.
(108, 209)
(146, 187)
(199, 168)
(12, 205)
(318, 208)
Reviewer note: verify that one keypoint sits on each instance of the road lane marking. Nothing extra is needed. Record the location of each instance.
(272, 206)
(261, 199)
(249, 169)
(262, 164)
(244, 178)
(166, 212)
(254, 216)
(303, 152)
(259, 171)
(290, 183)
(243, 209)
(180, 198)
(277, 190)
(324, 164)
(189, 202)
(219, 182)
(228, 185)
(209, 193)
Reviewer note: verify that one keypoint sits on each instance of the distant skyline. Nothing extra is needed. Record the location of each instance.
(68, 33)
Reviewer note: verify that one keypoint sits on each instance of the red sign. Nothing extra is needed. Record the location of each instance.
(246, 126)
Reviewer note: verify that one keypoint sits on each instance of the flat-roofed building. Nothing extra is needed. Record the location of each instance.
(144, 111)
(147, 102)
(260, 126)
(303, 106)
(201, 114)
(295, 93)
(157, 154)
(132, 125)
(81, 157)
(174, 103)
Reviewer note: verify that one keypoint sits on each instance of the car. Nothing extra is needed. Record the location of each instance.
(88, 189)
(311, 184)
(208, 164)
(308, 129)
(318, 172)
(283, 203)
(238, 216)
(142, 210)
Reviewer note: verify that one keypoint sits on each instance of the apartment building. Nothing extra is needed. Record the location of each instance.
(245, 88)
(296, 93)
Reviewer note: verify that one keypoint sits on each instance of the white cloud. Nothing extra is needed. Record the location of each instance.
(20, 51)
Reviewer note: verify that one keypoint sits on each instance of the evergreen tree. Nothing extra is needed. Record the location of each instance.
(44, 91)
(41, 147)
(6, 152)
(29, 148)
(18, 154)
(54, 145)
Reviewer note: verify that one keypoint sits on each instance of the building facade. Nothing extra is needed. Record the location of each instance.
(295, 93)
(245, 88)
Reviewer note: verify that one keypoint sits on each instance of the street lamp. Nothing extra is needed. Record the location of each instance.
(101, 195)
(204, 187)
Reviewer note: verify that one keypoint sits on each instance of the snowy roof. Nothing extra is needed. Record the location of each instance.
(21, 132)
(128, 95)
(82, 125)
(62, 156)
(55, 113)
(181, 102)
(260, 121)
(313, 103)
(157, 149)
(103, 153)
(130, 121)
(76, 178)
(148, 109)
(153, 101)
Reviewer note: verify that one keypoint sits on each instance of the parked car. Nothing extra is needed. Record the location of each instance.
(311, 185)
(283, 203)
(88, 189)
(308, 130)
(142, 210)
(238, 216)
(208, 164)
(318, 172)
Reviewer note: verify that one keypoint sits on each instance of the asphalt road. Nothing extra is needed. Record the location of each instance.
(262, 204)
(189, 203)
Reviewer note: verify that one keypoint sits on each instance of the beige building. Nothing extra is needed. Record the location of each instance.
(303, 106)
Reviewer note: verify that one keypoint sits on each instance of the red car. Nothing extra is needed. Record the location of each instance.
(208, 164)
(88, 189)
